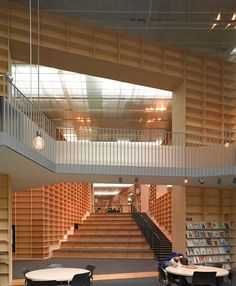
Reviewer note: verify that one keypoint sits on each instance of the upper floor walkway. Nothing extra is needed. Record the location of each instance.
(113, 152)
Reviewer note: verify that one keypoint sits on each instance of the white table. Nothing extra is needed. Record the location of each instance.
(58, 274)
(187, 271)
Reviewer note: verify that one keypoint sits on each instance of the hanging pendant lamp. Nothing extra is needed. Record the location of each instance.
(38, 142)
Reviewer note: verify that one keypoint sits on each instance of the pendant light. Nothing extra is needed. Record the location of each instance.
(38, 142)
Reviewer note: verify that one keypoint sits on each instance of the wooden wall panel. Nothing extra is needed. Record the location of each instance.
(160, 209)
(5, 231)
(43, 216)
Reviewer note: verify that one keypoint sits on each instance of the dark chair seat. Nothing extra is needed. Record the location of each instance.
(81, 280)
(91, 268)
(204, 278)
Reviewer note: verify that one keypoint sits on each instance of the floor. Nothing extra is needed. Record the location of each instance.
(108, 272)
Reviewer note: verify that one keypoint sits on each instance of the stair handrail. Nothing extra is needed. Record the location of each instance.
(150, 234)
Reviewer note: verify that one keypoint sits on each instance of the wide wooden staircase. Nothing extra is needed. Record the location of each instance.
(106, 236)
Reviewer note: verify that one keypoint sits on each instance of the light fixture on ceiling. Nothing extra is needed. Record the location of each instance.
(227, 144)
(38, 142)
(185, 180)
(154, 109)
(201, 181)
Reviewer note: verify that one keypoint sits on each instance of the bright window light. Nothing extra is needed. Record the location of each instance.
(106, 193)
(104, 185)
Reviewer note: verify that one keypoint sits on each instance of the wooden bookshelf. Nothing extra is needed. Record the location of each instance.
(209, 242)
(160, 208)
(212, 205)
(208, 204)
(5, 231)
(43, 216)
(208, 94)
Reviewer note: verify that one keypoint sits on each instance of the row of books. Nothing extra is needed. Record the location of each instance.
(208, 242)
(208, 234)
(208, 251)
(201, 259)
(208, 225)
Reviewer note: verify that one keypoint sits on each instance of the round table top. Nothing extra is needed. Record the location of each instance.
(189, 270)
(58, 274)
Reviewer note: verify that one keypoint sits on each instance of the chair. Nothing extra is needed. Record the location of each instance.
(80, 280)
(24, 271)
(42, 283)
(55, 265)
(204, 278)
(163, 276)
(91, 268)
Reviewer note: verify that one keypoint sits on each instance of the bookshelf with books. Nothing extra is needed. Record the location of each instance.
(209, 242)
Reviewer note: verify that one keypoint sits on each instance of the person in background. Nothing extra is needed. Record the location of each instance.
(176, 260)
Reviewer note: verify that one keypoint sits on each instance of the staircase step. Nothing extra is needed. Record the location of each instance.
(101, 253)
(105, 244)
(109, 231)
(105, 236)
(108, 226)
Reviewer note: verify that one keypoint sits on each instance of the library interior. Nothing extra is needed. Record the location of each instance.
(117, 140)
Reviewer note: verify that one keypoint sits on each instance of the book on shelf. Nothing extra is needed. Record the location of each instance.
(209, 225)
(196, 233)
(189, 226)
(189, 234)
(196, 225)
(203, 250)
(227, 225)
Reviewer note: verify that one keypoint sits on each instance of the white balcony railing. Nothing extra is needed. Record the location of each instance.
(156, 152)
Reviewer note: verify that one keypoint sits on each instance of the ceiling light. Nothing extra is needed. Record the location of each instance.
(201, 181)
(218, 17)
(106, 193)
(38, 142)
(227, 26)
(153, 109)
(103, 185)
(213, 26)
(233, 17)
(185, 180)
(227, 144)
(159, 118)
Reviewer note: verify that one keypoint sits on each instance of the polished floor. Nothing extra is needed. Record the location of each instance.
(108, 272)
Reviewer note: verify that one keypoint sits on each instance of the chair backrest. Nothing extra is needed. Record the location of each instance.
(42, 283)
(91, 268)
(55, 265)
(24, 271)
(163, 277)
(204, 278)
(80, 280)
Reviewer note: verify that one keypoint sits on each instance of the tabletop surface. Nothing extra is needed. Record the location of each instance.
(58, 274)
(188, 270)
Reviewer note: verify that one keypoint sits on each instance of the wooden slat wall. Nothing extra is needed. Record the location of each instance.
(160, 209)
(43, 216)
(210, 83)
(5, 231)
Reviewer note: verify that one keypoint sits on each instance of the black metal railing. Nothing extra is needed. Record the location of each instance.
(149, 233)
(159, 243)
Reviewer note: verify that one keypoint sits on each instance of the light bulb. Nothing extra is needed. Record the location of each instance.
(38, 141)
(226, 144)
(185, 180)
